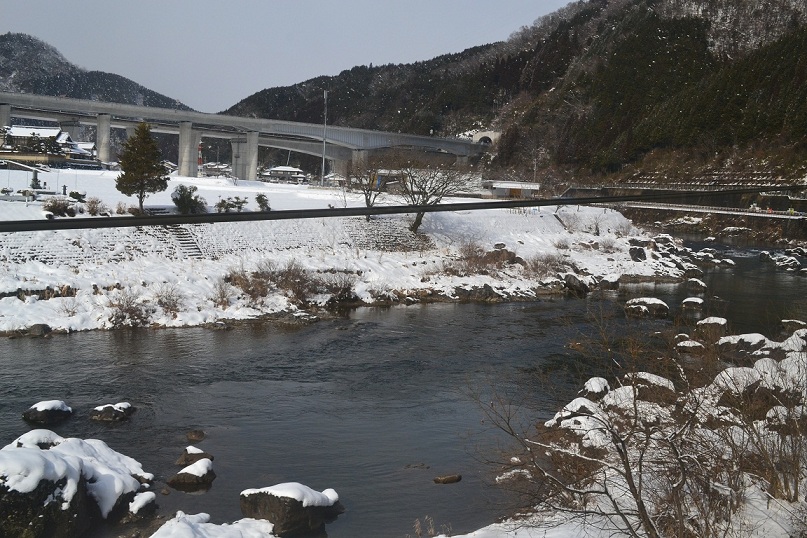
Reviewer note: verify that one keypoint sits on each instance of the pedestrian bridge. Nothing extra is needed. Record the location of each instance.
(341, 145)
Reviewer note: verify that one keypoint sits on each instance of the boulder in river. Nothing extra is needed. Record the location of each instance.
(196, 477)
(191, 455)
(292, 507)
(642, 307)
(48, 412)
(112, 412)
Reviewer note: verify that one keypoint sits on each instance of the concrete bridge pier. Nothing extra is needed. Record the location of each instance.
(71, 127)
(189, 140)
(102, 137)
(245, 156)
(5, 115)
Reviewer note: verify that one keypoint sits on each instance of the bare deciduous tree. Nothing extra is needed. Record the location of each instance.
(426, 184)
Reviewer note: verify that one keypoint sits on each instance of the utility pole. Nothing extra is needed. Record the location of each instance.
(324, 127)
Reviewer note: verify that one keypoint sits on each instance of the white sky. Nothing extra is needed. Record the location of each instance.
(211, 54)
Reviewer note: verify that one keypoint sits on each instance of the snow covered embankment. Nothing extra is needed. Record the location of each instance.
(202, 274)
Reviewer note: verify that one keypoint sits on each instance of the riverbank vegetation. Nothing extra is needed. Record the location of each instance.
(684, 441)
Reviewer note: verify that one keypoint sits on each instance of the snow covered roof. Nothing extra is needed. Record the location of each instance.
(285, 170)
(25, 131)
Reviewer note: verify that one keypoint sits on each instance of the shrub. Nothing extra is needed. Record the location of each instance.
(128, 311)
(120, 209)
(221, 293)
(340, 285)
(58, 206)
(561, 244)
(168, 298)
(263, 202)
(187, 201)
(294, 279)
(96, 207)
(546, 264)
(254, 285)
(225, 205)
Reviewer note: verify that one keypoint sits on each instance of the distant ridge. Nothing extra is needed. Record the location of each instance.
(29, 65)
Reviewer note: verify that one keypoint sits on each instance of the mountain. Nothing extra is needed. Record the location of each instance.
(600, 87)
(603, 89)
(29, 65)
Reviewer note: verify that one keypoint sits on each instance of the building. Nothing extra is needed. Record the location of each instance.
(511, 189)
(28, 139)
(284, 174)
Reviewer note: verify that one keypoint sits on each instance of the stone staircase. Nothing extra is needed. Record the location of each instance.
(187, 245)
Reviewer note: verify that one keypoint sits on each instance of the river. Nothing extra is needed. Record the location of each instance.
(374, 405)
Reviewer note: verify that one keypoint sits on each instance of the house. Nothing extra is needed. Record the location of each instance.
(284, 174)
(27, 138)
(511, 189)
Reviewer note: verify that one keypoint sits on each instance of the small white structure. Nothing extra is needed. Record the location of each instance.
(284, 174)
(511, 189)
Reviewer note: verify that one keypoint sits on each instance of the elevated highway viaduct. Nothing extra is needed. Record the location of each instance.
(341, 145)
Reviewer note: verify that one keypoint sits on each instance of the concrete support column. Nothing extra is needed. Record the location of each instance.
(71, 127)
(5, 115)
(245, 156)
(103, 130)
(189, 140)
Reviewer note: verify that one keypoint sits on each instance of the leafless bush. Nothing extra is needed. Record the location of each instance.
(570, 220)
(128, 310)
(623, 229)
(68, 306)
(561, 243)
(266, 267)
(608, 244)
(295, 280)
(58, 206)
(169, 298)
(340, 285)
(96, 207)
(255, 285)
(120, 209)
(546, 264)
(222, 293)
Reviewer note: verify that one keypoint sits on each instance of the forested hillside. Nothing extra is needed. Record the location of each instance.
(599, 87)
(31, 66)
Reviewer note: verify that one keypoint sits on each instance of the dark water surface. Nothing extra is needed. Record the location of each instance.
(362, 405)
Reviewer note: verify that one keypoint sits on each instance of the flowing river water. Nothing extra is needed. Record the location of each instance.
(374, 405)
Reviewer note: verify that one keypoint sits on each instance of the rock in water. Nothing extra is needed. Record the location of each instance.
(292, 507)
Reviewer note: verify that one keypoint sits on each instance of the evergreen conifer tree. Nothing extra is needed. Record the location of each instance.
(141, 163)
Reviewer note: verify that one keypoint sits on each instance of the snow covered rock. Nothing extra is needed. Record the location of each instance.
(191, 455)
(54, 486)
(198, 525)
(742, 345)
(696, 285)
(642, 307)
(195, 477)
(595, 388)
(690, 347)
(53, 501)
(291, 507)
(48, 412)
(692, 304)
(637, 254)
(112, 412)
(39, 329)
(711, 329)
(576, 284)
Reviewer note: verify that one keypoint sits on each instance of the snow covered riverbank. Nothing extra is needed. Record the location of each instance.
(183, 275)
